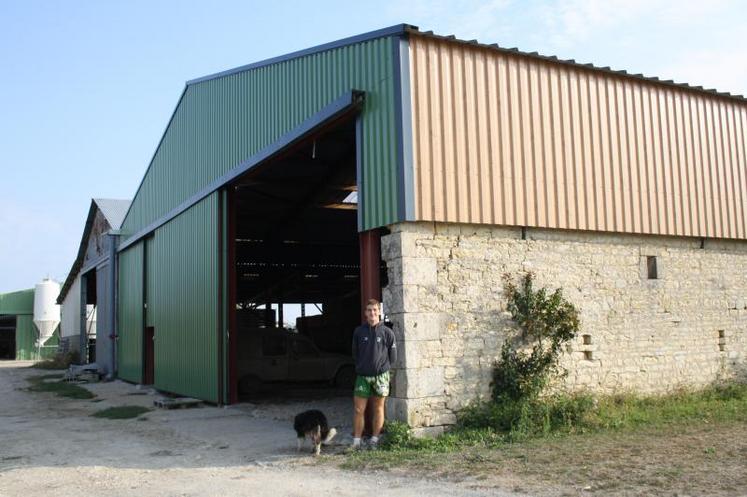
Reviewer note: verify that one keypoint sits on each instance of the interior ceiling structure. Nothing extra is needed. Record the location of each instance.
(296, 236)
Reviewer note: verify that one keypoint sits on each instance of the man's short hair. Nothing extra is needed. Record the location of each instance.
(372, 302)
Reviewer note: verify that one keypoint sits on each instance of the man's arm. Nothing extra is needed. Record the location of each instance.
(355, 346)
(392, 348)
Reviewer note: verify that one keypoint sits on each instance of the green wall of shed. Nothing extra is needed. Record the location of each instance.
(130, 314)
(20, 302)
(221, 122)
(26, 334)
(184, 263)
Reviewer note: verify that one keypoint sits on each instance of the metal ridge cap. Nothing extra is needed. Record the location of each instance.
(397, 29)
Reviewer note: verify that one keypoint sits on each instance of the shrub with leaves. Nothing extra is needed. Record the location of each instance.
(546, 322)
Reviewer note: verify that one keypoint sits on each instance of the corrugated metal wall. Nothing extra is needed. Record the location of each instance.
(20, 302)
(103, 317)
(508, 139)
(185, 302)
(221, 122)
(130, 311)
(26, 334)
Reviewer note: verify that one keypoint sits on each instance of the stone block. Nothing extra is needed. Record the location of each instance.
(428, 431)
(421, 326)
(421, 227)
(415, 383)
(419, 271)
(396, 409)
(418, 353)
(400, 298)
(402, 244)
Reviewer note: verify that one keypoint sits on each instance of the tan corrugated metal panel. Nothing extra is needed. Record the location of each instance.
(501, 138)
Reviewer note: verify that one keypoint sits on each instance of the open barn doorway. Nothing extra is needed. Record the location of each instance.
(7, 337)
(295, 271)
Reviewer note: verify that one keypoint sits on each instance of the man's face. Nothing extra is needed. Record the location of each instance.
(372, 314)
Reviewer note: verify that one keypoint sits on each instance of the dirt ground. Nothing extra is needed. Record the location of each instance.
(679, 460)
(50, 446)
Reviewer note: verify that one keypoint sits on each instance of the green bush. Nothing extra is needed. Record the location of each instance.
(546, 322)
(397, 435)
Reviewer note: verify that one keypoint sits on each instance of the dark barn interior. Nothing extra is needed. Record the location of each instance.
(294, 221)
(7, 337)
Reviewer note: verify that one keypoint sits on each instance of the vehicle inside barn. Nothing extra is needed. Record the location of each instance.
(296, 286)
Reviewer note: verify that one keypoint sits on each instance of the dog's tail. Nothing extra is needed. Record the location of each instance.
(330, 435)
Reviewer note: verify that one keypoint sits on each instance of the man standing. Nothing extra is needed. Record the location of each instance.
(374, 352)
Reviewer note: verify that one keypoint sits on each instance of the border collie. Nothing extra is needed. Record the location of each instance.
(313, 424)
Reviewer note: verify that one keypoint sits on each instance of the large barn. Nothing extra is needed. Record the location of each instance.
(420, 168)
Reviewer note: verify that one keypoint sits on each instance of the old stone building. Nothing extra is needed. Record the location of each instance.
(627, 193)
(684, 328)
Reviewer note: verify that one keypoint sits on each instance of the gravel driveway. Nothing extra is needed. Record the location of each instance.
(50, 446)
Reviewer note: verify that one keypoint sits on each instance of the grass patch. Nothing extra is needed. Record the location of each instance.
(45, 383)
(44, 377)
(121, 412)
(687, 443)
(493, 425)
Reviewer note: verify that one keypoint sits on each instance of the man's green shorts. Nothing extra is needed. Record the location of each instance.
(372, 386)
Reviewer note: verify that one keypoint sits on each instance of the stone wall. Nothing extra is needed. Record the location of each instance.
(684, 329)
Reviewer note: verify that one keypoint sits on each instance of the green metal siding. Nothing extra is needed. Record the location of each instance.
(26, 334)
(185, 302)
(21, 302)
(224, 278)
(221, 122)
(130, 311)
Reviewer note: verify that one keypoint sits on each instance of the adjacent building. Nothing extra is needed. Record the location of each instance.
(20, 338)
(87, 295)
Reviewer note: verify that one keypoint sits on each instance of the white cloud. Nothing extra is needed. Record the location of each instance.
(574, 21)
(724, 70)
(482, 20)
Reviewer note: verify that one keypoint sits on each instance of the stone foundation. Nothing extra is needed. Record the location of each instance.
(684, 329)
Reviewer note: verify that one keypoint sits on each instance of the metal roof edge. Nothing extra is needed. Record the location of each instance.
(397, 29)
(78, 262)
(571, 62)
(153, 157)
(17, 311)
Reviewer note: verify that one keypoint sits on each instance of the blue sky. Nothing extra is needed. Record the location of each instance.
(87, 87)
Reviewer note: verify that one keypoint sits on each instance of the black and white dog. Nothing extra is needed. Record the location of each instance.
(313, 424)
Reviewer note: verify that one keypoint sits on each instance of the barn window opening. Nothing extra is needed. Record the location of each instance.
(652, 267)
